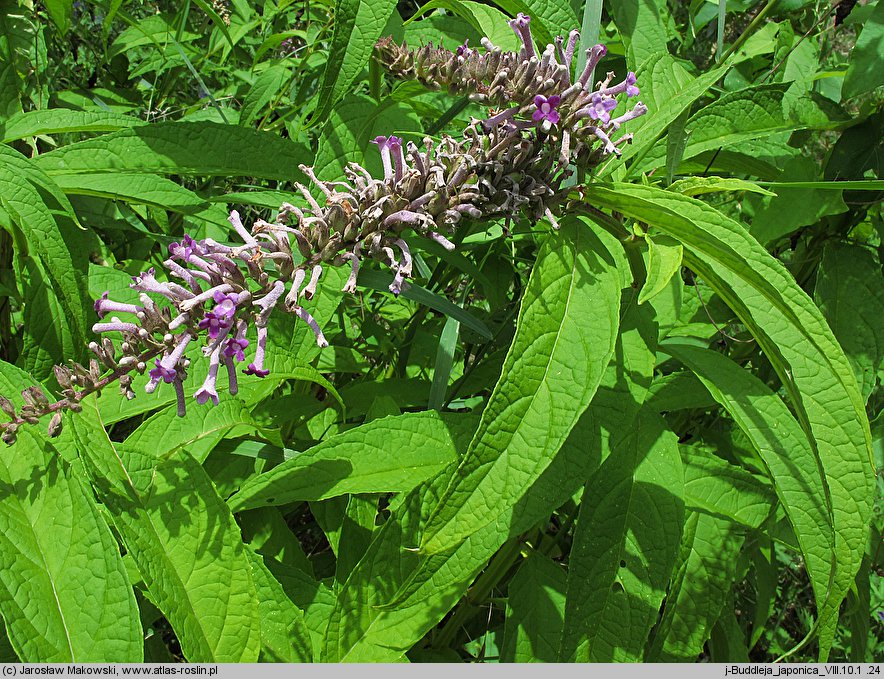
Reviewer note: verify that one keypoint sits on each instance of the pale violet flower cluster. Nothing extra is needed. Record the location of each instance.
(511, 165)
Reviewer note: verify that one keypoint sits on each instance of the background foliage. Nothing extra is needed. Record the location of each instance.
(651, 435)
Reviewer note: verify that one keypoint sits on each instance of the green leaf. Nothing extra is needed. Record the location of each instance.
(383, 609)
(864, 73)
(783, 448)
(713, 486)
(182, 148)
(58, 120)
(183, 539)
(284, 634)
(535, 610)
(678, 391)
(142, 189)
(850, 293)
(45, 339)
(21, 199)
(703, 577)
(392, 454)
(794, 207)
(750, 113)
(796, 339)
(669, 91)
(625, 545)
(380, 280)
(351, 127)
(550, 374)
(64, 591)
(642, 28)
(444, 361)
(262, 91)
(60, 11)
(358, 25)
(697, 186)
(198, 433)
(486, 20)
(664, 261)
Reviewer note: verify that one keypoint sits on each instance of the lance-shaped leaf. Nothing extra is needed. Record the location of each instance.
(358, 25)
(182, 538)
(625, 545)
(21, 199)
(284, 634)
(800, 346)
(775, 433)
(383, 609)
(391, 454)
(535, 610)
(704, 575)
(751, 113)
(395, 595)
(564, 339)
(850, 292)
(182, 148)
(64, 591)
(54, 121)
(664, 261)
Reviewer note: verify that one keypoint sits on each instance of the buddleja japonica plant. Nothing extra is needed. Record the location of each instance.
(509, 165)
(375, 339)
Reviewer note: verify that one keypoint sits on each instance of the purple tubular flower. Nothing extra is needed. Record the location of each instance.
(498, 118)
(638, 110)
(600, 108)
(546, 108)
(103, 305)
(161, 372)
(442, 240)
(310, 288)
(208, 390)
(606, 140)
(166, 367)
(521, 25)
(402, 268)
(179, 394)
(186, 248)
(398, 158)
(240, 229)
(196, 300)
(235, 347)
(384, 149)
(631, 89)
(593, 56)
(350, 285)
(305, 316)
(573, 39)
(114, 326)
(147, 282)
(216, 324)
(256, 367)
(464, 50)
(627, 86)
(225, 304)
(232, 384)
(189, 277)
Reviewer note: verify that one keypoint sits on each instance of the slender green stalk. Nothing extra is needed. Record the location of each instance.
(750, 29)
(722, 11)
(590, 29)
(500, 565)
